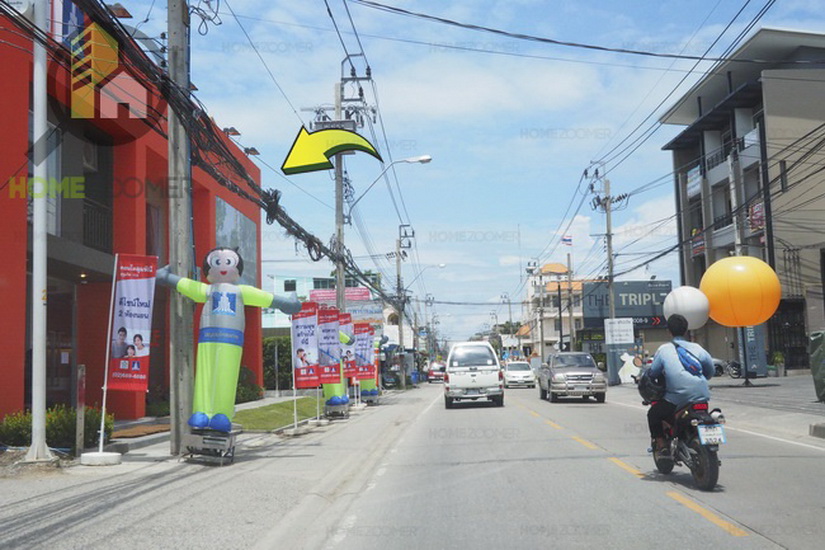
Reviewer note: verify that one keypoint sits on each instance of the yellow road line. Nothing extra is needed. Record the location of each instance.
(551, 423)
(625, 466)
(707, 514)
(586, 443)
(534, 413)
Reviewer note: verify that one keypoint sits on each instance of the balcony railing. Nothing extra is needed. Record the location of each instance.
(97, 226)
(717, 157)
(722, 221)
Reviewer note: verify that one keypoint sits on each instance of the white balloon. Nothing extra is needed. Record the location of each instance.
(691, 303)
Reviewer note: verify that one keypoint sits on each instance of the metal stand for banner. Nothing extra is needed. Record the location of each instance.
(211, 445)
(336, 411)
(101, 458)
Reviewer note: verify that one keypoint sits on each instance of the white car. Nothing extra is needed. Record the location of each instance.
(519, 373)
(473, 372)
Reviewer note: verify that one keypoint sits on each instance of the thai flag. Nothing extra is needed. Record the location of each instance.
(567, 240)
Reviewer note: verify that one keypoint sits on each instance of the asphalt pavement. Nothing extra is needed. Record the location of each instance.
(411, 474)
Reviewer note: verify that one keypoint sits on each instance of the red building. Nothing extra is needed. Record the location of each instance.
(108, 194)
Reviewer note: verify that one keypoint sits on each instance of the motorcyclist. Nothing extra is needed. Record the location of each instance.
(682, 387)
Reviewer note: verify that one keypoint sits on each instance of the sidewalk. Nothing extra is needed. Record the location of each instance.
(784, 407)
(151, 430)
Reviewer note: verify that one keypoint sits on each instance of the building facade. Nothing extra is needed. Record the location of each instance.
(546, 311)
(748, 177)
(108, 194)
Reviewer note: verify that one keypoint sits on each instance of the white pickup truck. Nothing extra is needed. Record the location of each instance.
(473, 372)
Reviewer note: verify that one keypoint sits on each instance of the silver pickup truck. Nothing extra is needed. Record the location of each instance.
(473, 372)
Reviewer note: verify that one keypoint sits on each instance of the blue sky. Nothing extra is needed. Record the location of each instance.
(510, 133)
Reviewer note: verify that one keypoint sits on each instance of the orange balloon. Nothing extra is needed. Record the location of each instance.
(742, 291)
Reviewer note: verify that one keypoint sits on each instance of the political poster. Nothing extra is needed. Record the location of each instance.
(347, 350)
(131, 327)
(329, 347)
(365, 365)
(305, 346)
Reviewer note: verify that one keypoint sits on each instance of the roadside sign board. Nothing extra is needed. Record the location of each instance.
(619, 331)
(640, 300)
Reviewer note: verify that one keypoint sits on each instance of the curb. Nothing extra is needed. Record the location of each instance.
(817, 430)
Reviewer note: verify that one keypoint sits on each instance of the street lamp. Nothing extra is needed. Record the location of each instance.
(423, 159)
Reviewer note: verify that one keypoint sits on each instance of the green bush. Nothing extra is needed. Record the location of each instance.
(247, 390)
(283, 345)
(15, 430)
(157, 401)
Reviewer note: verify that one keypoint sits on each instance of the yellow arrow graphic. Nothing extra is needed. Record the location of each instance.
(311, 152)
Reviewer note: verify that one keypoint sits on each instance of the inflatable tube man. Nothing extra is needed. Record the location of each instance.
(221, 333)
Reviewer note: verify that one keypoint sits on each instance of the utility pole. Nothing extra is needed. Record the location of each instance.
(400, 308)
(506, 298)
(405, 234)
(606, 203)
(572, 327)
(340, 290)
(533, 268)
(561, 319)
(39, 450)
(181, 310)
(736, 199)
(608, 208)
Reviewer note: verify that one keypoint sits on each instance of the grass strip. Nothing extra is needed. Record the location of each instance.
(277, 415)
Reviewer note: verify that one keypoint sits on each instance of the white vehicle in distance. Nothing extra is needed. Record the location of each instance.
(473, 373)
(519, 373)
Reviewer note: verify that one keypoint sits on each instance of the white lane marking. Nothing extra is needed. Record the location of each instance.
(757, 434)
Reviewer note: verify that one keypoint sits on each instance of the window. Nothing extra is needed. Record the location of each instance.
(518, 367)
(472, 356)
(290, 285)
(571, 360)
(318, 283)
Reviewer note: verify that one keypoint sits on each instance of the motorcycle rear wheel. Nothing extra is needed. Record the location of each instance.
(663, 463)
(704, 467)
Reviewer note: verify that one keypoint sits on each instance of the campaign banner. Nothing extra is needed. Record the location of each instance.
(131, 323)
(347, 350)
(329, 295)
(329, 347)
(305, 346)
(365, 367)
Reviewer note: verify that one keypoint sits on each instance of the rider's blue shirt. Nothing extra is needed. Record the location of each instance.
(683, 387)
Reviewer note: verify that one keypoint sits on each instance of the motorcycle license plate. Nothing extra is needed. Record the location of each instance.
(712, 434)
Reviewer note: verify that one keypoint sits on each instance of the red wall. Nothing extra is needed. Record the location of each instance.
(13, 143)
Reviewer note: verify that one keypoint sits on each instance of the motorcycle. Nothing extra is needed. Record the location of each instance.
(731, 368)
(692, 438)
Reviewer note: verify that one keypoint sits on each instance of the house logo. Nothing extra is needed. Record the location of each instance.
(223, 303)
(100, 85)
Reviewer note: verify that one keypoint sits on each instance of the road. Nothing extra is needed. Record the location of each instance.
(411, 474)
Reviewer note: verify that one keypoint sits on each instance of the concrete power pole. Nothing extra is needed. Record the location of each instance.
(400, 309)
(572, 326)
(181, 310)
(340, 285)
(39, 450)
(541, 314)
(608, 207)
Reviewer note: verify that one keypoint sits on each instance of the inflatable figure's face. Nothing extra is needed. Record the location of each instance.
(223, 266)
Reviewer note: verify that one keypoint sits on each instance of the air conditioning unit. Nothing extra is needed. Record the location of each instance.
(89, 156)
